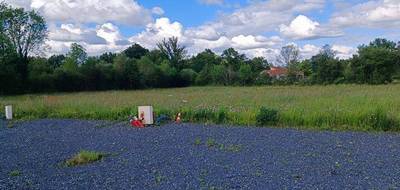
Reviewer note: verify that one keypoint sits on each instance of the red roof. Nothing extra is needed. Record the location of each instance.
(277, 71)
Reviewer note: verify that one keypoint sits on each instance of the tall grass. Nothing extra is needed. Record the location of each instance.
(336, 107)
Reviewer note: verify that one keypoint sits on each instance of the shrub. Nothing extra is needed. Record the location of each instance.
(84, 157)
(267, 116)
(221, 116)
(379, 120)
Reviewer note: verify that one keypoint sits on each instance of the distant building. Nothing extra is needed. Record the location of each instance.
(281, 72)
(277, 72)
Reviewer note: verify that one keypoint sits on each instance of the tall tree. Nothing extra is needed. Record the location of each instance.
(325, 67)
(174, 52)
(289, 55)
(25, 30)
(77, 53)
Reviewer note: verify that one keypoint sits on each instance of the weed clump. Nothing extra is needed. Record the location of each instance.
(197, 141)
(267, 116)
(15, 173)
(379, 120)
(210, 142)
(84, 157)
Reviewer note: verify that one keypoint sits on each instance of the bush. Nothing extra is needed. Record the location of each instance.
(267, 116)
(221, 116)
(379, 120)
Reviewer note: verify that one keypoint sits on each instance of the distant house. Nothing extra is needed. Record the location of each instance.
(281, 72)
(277, 72)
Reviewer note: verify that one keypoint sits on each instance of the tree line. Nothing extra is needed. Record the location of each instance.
(22, 33)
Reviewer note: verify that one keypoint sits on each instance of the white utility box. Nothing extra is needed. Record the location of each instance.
(146, 113)
(9, 111)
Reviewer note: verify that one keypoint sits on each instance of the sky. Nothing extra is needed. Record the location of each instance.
(253, 27)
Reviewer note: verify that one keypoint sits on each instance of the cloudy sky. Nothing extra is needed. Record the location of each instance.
(254, 27)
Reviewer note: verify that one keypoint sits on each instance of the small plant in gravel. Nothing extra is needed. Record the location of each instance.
(210, 142)
(15, 173)
(234, 148)
(84, 157)
(197, 141)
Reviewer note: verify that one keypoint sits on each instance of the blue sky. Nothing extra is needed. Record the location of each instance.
(253, 27)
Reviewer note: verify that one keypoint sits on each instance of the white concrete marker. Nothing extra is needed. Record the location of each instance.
(9, 114)
(147, 113)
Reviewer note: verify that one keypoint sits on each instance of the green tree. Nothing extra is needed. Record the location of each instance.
(136, 51)
(246, 76)
(127, 72)
(150, 73)
(77, 54)
(187, 76)
(198, 62)
(24, 31)
(326, 69)
(373, 65)
(174, 52)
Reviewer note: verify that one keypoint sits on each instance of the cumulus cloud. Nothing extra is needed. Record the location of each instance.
(157, 31)
(344, 52)
(262, 16)
(89, 11)
(253, 42)
(304, 28)
(382, 13)
(102, 38)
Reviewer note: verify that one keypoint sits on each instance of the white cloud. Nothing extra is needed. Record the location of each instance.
(254, 42)
(157, 11)
(157, 31)
(309, 50)
(344, 52)
(74, 33)
(102, 38)
(381, 13)
(304, 28)
(89, 11)
(262, 16)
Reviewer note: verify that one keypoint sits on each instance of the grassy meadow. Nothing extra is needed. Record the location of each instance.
(336, 107)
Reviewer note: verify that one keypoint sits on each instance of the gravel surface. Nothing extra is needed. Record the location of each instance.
(192, 156)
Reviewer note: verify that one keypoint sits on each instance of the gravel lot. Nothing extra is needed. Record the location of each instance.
(179, 157)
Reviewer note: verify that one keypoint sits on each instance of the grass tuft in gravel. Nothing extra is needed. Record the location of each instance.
(210, 142)
(197, 142)
(84, 157)
(15, 173)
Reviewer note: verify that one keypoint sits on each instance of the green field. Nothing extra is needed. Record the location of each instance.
(341, 107)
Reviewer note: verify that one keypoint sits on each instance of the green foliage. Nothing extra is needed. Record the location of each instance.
(77, 54)
(15, 173)
(135, 51)
(84, 157)
(197, 141)
(169, 66)
(379, 120)
(373, 65)
(245, 75)
(188, 76)
(210, 142)
(332, 107)
(267, 116)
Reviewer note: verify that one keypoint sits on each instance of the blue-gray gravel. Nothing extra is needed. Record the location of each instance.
(167, 157)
